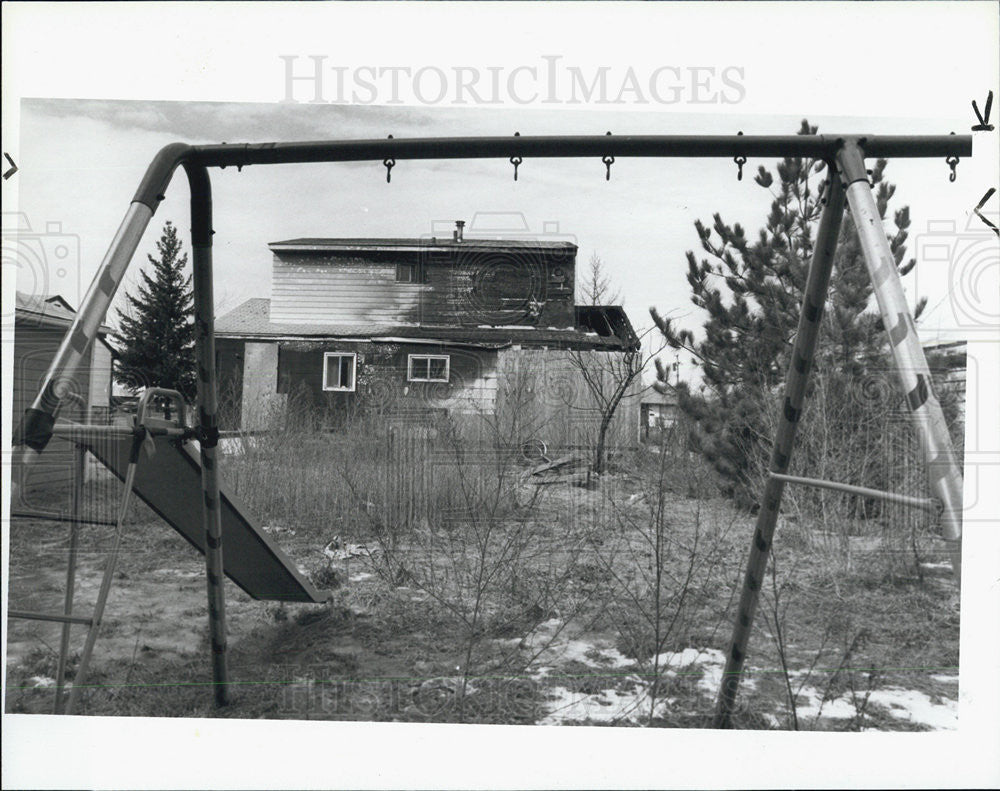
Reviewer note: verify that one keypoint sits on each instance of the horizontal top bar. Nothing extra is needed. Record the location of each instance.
(823, 147)
(815, 146)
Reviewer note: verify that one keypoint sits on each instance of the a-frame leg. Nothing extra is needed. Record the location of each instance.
(79, 468)
(109, 573)
(943, 468)
(795, 387)
(208, 422)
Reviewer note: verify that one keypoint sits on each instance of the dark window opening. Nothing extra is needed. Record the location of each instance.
(407, 273)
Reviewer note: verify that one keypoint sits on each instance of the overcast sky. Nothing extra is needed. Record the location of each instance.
(82, 160)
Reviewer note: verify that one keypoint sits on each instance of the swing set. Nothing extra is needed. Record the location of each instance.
(156, 458)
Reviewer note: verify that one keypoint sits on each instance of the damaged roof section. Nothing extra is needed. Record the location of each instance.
(607, 321)
(251, 321)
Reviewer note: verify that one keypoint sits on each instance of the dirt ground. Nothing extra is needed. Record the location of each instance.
(877, 654)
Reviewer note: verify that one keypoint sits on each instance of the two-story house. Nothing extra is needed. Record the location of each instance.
(418, 327)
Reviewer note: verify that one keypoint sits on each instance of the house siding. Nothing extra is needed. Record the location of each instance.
(381, 378)
(310, 288)
(35, 346)
(460, 286)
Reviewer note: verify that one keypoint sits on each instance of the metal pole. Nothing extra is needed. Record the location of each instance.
(924, 503)
(109, 572)
(76, 506)
(208, 427)
(52, 618)
(36, 425)
(795, 386)
(562, 146)
(911, 365)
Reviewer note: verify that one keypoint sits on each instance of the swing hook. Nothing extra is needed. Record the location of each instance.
(608, 161)
(389, 163)
(740, 161)
(952, 163)
(516, 160)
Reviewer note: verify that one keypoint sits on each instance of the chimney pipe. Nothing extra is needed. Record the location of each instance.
(459, 230)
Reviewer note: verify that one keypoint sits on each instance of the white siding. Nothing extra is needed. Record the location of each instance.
(100, 378)
(341, 293)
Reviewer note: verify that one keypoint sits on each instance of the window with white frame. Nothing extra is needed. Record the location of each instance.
(338, 371)
(428, 368)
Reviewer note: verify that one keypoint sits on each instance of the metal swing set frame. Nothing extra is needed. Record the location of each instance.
(848, 184)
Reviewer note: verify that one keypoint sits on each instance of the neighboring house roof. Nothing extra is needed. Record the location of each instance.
(418, 243)
(51, 311)
(251, 320)
(653, 397)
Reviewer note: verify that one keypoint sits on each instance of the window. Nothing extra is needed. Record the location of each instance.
(406, 273)
(428, 368)
(338, 371)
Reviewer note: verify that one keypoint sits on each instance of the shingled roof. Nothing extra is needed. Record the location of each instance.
(51, 311)
(251, 321)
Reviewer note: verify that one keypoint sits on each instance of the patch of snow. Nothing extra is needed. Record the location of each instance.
(711, 661)
(915, 706)
(943, 565)
(945, 679)
(909, 705)
(553, 648)
(42, 681)
(361, 576)
(607, 706)
(809, 705)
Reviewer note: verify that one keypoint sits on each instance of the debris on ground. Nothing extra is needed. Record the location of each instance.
(573, 468)
(337, 549)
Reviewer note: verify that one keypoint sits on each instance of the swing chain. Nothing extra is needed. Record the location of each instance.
(389, 163)
(952, 163)
(740, 161)
(608, 161)
(516, 160)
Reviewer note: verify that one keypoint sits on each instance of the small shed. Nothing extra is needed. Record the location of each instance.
(657, 412)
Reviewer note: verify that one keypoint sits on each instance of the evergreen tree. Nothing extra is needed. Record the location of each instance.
(751, 291)
(155, 342)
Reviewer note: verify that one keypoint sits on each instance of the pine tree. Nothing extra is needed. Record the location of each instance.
(155, 342)
(751, 291)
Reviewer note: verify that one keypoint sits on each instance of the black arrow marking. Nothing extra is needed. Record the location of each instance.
(13, 167)
(984, 124)
(982, 203)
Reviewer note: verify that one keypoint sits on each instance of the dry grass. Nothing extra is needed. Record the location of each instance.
(473, 576)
